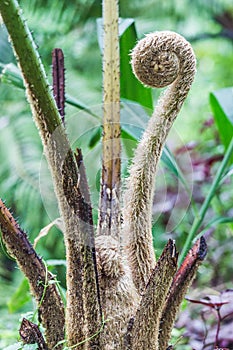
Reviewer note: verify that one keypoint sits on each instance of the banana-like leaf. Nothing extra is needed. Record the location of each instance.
(221, 102)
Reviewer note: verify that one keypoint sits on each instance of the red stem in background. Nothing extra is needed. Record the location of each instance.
(218, 327)
(59, 81)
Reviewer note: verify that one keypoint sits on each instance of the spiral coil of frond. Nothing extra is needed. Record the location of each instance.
(159, 59)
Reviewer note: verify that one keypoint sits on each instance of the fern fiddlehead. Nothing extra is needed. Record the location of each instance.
(160, 59)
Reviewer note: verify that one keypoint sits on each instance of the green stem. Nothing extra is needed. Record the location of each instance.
(109, 214)
(199, 219)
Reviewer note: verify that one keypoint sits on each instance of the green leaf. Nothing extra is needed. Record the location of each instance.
(5, 48)
(56, 262)
(214, 222)
(80, 105)
(20, 297)
(134, 119)
(221, 102)
(96, 136)
(170, 162)
(219, 220)
(16, 346)
(228, 173)
(131, 88)
(30, 347)
(205, 205)
(11, 75)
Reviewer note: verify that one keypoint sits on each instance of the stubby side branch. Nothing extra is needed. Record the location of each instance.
(145, 329)
(180, 285)
(42, 283)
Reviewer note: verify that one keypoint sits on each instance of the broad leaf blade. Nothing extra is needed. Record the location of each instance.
(221, 102)
(131, 88)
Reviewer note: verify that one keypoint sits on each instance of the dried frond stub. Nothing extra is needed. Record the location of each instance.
(41, 281)
(181, 282)
(145, 330)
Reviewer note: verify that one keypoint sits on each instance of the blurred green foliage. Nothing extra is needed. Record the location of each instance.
(71, 25)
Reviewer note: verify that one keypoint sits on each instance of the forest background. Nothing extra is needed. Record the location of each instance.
(197, 140)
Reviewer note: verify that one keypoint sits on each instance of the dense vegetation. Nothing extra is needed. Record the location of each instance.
(198, 141)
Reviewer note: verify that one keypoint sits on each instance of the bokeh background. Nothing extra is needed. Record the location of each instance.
(194, 142)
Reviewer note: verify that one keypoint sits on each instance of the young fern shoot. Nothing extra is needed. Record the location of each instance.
(160, 59)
